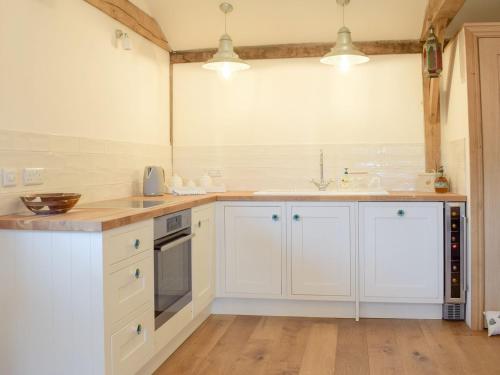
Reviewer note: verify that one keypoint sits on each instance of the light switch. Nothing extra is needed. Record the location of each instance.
(9, 177)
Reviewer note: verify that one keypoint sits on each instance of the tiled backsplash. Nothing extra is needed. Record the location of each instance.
(98, 169)
(292, 166)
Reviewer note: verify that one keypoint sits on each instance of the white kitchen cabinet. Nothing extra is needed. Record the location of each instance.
(254, 250)
(80, 302)
(322, 248)
(401, 252)
(203, 257)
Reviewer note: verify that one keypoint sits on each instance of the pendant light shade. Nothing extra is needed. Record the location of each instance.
(225, 60)
(344, 53)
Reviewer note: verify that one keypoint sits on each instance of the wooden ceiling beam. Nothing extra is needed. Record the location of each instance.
(284, 51)
(134, 18)
(439, 14)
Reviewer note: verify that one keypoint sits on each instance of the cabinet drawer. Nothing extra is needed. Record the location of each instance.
(132, 345)
(131, 287)
(125, 242)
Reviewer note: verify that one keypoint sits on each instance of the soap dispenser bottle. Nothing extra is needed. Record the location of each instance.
(345, 180)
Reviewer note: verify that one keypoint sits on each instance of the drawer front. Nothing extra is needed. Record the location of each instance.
(132, 345)
(128, 241)
(131, 287)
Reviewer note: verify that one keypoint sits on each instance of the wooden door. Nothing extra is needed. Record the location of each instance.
(401, 252)
(254, 248)
(489, 57)
(322, 251)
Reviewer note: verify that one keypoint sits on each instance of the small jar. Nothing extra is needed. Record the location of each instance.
(441, 184)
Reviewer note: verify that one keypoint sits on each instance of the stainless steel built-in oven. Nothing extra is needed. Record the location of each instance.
(455, 261)
(173, 279)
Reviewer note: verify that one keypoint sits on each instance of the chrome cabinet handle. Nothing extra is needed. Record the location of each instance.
(139, 329)
(401, 213)
(275, 217)
(137, 273)
(296, 217)
(137, 243)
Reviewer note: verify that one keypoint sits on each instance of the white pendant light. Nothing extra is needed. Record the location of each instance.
(344, 53)
(225, 60)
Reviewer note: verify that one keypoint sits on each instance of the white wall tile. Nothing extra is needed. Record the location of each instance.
(292, 166)
(98, 169)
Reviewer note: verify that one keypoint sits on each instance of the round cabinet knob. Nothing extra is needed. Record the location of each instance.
(454, 281)
(453, 213)
(296, 217)
(275, 217)
(454, 226)
(137, 273)
(455, 268)
(137, 243)
(401, 213)
(139, 329)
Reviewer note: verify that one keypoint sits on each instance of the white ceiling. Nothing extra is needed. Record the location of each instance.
(193, 24)
(475, 11)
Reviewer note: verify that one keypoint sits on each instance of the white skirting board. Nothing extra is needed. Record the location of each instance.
(324, 309)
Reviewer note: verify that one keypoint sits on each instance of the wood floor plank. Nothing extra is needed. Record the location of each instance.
(320, 351)
(195, 349)
(287, 355)
(443, 345)
(352, 349)
(251, 345)
(416, 355)
(253, 358)
(383, 352)
(220, 359)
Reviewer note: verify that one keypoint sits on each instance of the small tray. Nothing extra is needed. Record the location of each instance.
(50, 203)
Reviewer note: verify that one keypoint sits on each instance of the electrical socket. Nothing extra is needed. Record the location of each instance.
(9, 177)
(33, 176)
(215, 172)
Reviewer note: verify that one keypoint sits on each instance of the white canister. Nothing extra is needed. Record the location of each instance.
(205, 181)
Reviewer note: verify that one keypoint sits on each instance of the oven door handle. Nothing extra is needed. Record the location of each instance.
(175, 243)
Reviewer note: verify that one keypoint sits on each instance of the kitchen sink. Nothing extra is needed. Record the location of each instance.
(293, 192)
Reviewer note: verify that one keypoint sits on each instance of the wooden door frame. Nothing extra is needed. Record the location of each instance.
(474, 32)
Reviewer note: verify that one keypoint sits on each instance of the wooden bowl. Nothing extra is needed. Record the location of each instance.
(50, 204)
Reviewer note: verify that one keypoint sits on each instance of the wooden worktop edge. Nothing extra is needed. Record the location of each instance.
(81, 219)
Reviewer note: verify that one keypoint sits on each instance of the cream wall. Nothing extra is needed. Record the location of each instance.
(454, 116)
(264, 127)
(300, 101)
(73, 102)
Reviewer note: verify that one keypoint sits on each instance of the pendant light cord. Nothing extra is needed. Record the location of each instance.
(225, 23)
(343, 15)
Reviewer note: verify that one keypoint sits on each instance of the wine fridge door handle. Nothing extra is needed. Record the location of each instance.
(465, 248)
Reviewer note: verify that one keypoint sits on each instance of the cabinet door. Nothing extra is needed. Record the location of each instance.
(401, 252)
(203, 257)
(322, 251)
(254, 247)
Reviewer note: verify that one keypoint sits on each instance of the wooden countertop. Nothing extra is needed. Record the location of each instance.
(101, 216)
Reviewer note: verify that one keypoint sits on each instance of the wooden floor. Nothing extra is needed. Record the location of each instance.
(241, 345)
